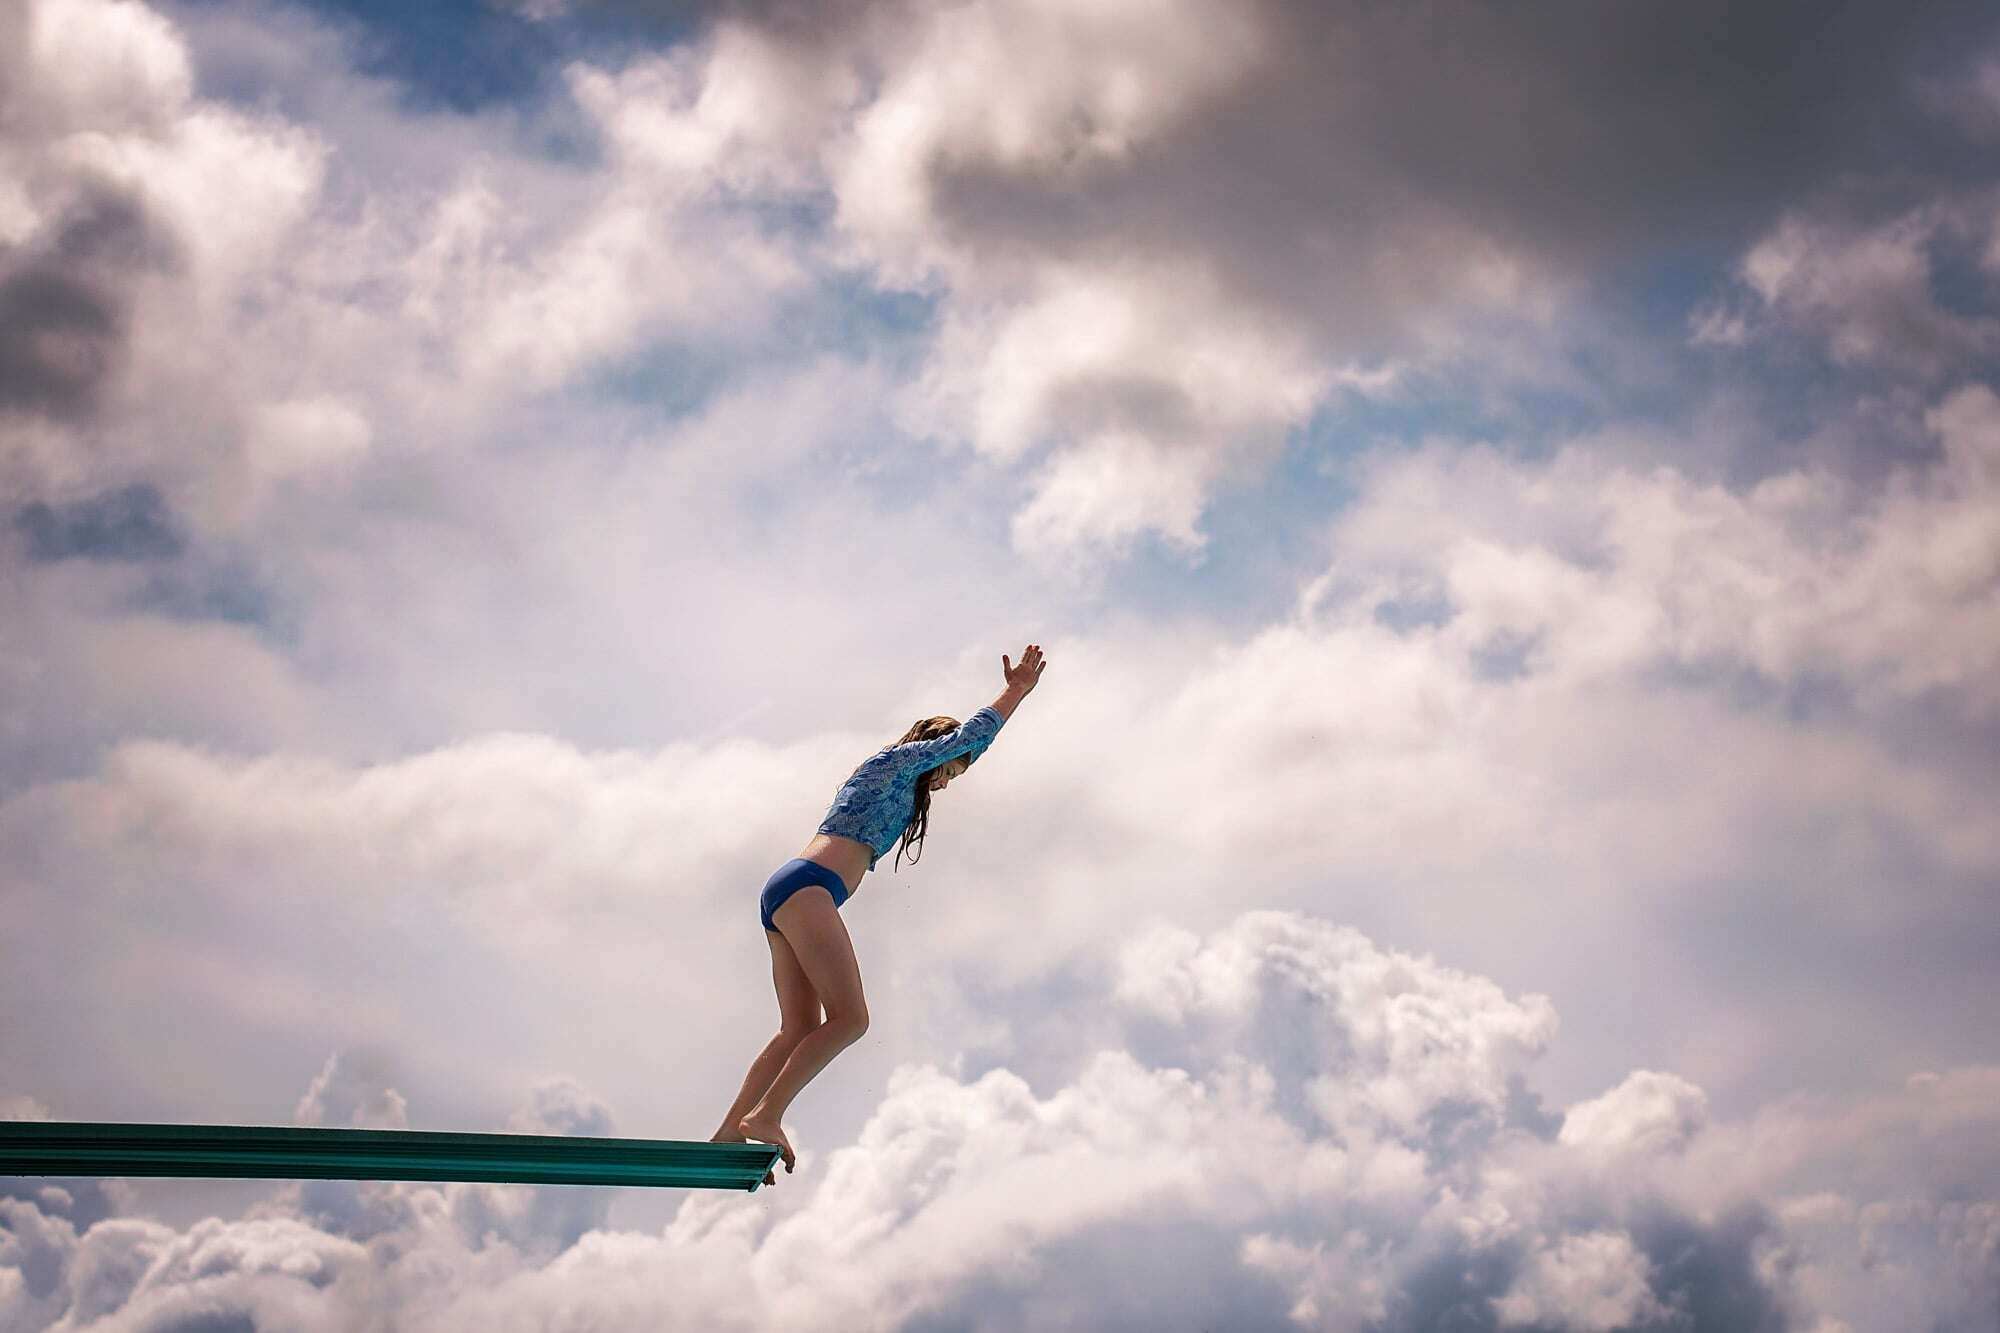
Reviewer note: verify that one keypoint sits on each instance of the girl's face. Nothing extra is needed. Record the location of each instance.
(943, 776)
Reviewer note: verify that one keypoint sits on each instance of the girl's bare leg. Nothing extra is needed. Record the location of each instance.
(807, 1059)
(798, 1015)
(818, 938)
(763, 1071)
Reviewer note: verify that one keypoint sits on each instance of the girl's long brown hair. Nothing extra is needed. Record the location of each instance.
(913, 833)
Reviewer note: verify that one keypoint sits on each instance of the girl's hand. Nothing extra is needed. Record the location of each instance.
(1024, 676)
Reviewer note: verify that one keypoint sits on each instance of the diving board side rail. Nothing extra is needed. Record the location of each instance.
(291, 1152)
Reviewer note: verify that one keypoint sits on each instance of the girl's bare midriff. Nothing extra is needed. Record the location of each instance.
(845, 857)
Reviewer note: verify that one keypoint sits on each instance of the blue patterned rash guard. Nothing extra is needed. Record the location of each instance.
(875, 804)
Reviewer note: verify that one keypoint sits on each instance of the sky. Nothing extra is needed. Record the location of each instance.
(1509, 495)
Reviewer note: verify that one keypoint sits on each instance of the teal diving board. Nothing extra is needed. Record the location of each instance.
(62, 1148)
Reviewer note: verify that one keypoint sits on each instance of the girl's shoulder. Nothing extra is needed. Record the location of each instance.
(881, 762)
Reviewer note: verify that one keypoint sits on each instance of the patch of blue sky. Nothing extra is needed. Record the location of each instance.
(1266, 537)
(846, 312)
(1455, 402)
(802, 215)
(1505, 656)
(1630, 362)
(1635, 350)
(1804, 402)
(217, 588)
(1267, 534)
(1962, 280)
(468, 55)
(1790, 377)
(173, 575)
(1809, 697)
(1416, 611)
(842, 315)
(129, 524)
(1660, 290)
(430, 66)
(213, 583)
(671, 377)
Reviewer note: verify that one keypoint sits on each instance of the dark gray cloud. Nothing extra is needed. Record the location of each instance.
(1582, 135)
(1347, 190)
(1526, 1112)
(1452, 1290)
(1353, 177)
(206, 1322)
(222, 589)
(35, 1250)
(802, 18)
(82, 1202)
(1589, 127)
(129, 523)
(135, 525)
(1121, 1276)
(58, 340)
(1701, 1277)
(1706, 1275)
(64, 305)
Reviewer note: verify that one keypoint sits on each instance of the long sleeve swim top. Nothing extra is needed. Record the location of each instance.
(876, 802)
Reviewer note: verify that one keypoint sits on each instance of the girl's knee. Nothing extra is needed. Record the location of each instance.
(789, 1037)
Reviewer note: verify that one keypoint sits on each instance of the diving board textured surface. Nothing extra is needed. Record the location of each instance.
(63, 1148)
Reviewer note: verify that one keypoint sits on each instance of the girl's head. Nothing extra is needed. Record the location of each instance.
(936, 779)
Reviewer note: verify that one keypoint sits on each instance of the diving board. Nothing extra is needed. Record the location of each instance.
(65, 1148)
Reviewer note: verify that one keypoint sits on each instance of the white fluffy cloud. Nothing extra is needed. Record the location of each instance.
(1477, 674)
(1422, 1187)
(960, 150)
(1868, 291)
(1150, 373)
(291, 312)
(1649, 1112)
(99, 65)
(1413, 1037)
(1591, 566)
(1596, 1281)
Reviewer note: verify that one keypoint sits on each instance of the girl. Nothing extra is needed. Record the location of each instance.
(812, 962)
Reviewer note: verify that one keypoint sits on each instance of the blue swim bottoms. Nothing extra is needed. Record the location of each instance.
(792, 876)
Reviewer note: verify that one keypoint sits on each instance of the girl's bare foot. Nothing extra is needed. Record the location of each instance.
(737, 1136)
(768, 1131)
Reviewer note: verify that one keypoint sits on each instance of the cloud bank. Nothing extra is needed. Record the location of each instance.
(1324, 1133)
